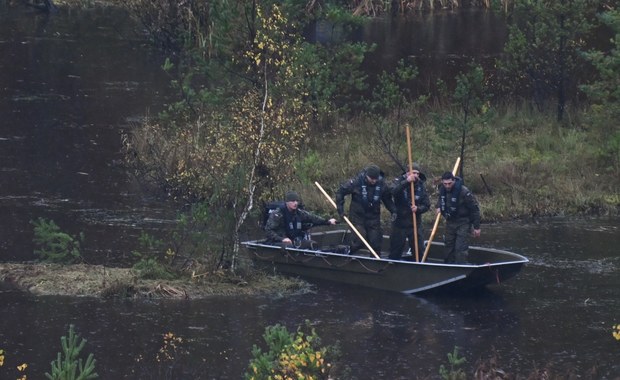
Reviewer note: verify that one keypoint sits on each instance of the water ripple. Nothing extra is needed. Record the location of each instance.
(130, 217)
(604, 265)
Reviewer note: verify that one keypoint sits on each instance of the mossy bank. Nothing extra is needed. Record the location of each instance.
(84, 280)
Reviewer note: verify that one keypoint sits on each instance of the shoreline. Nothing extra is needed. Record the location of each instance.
(85, 280)
(105, 282)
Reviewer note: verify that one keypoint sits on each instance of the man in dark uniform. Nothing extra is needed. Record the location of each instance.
(368, 189)
(460, 208)
(285, 225)
(402, 226)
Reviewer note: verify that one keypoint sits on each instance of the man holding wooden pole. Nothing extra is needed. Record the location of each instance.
(406, 206)
(368, 190)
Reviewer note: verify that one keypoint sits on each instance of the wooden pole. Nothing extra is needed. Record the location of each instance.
(415, 222)
(326, 195)
(348, 221)
(430, 239)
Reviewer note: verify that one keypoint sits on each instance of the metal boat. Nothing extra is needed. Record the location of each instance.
(328, 259)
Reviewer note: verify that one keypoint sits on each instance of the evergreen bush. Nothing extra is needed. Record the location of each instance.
(53, 245)
(67, 365)
(455, 372)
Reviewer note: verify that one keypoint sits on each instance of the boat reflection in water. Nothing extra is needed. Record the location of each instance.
(485, 266)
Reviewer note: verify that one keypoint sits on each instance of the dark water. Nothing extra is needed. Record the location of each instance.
(71, 84)
(440, 44)
(559, 311)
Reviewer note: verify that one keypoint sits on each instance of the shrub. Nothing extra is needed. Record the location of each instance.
(67, 366)
(290, 355)
(152, 263)
(454, 372)
(54, 245)
(150, 268)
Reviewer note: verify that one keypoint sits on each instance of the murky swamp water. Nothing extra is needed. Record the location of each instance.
(559, 310)
(71, 84)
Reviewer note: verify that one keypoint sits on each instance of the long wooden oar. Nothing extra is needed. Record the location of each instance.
(430, 239)
(415, 222)
(348, 221)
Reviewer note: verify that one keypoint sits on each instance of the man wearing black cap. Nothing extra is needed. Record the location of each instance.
(402, 226)
(460, 208)
(285, 225)
(368, 189)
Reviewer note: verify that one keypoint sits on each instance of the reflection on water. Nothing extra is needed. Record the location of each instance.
(440, 44)
(72, 83)
(548, 314)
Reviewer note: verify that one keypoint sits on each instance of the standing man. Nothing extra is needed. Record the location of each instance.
(368, 189)
(460, 208)
(402, 226)
(285, 225)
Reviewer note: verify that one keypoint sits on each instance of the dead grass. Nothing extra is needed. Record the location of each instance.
(99, 281)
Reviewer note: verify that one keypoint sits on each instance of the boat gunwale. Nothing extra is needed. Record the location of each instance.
(310, 252)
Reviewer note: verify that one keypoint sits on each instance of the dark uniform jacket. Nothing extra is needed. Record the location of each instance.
(365, 199)
(283, 223)
(401, 191)
(459, 204)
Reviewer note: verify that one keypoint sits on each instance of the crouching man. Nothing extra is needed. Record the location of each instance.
(287, 226)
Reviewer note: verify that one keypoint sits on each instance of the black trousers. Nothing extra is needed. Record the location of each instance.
(456, 239)
(372, 232)
(402, 235)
